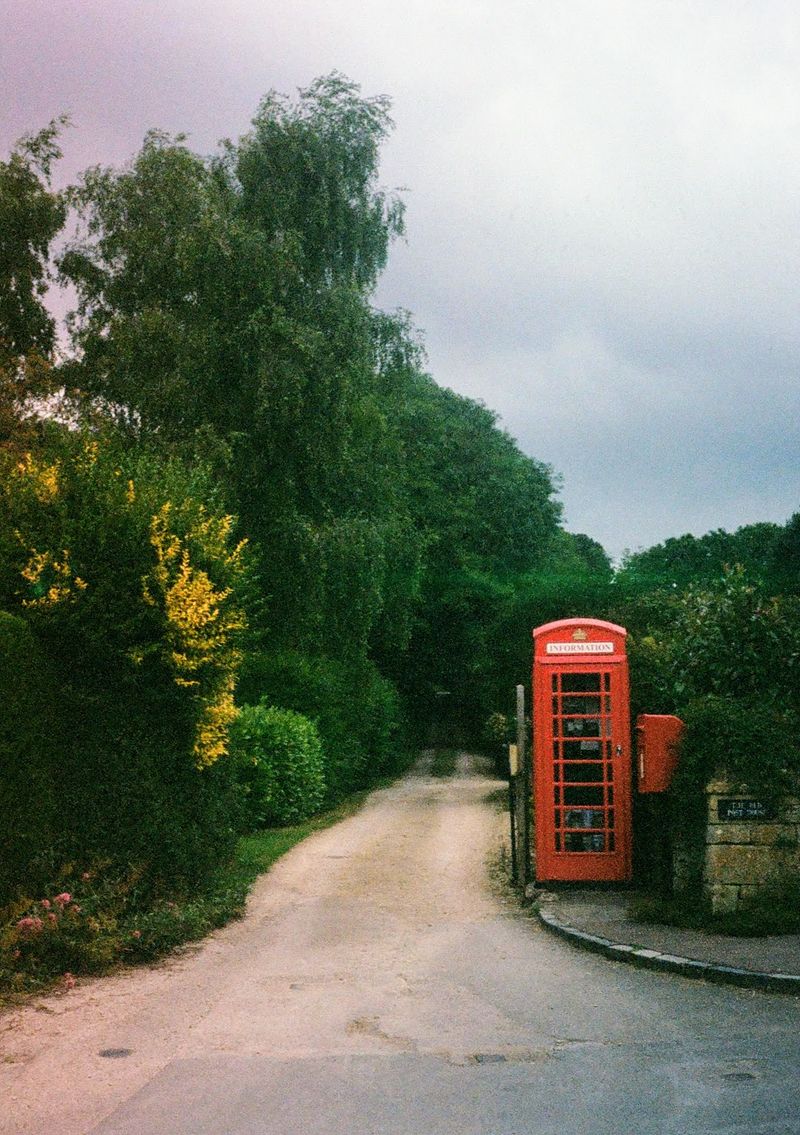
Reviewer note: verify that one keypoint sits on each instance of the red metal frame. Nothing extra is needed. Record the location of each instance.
(581, 759)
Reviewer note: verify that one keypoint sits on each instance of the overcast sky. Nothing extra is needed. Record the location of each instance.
(602, 208)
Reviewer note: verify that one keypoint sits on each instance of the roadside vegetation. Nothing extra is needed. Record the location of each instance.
(250, 552)
(246, 542)
(100, 921)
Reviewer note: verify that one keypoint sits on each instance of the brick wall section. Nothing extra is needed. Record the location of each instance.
(743, 858)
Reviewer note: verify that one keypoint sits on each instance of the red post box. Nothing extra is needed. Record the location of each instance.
(581, 758)
(658, 737)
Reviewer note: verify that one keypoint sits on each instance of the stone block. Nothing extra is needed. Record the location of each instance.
(739, 864)
(747, 894)
(729, 833)
(772, 834)
(718, 787)
(724, 899)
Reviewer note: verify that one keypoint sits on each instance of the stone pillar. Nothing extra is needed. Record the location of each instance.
(746, 856)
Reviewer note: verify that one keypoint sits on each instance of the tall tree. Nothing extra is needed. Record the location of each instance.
(31, 214)
(224, 306)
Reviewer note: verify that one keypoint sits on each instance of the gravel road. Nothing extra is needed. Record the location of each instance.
(379, 984)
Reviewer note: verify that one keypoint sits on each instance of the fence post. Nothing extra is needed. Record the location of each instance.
(513, 770)
(522, 794)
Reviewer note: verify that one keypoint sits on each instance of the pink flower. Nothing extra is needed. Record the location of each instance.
(85, 876)
(69, 981)
(136, 934)
(45, 903)
(17, 954)
(75, 908)
(51, 917)
(63, 899)
(29, 925)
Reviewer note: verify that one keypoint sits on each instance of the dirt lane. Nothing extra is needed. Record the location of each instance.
(331, 936)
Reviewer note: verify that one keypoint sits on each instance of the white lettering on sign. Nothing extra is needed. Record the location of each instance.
(579, 648)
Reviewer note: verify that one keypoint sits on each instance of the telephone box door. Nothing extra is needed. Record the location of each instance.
(582, 763)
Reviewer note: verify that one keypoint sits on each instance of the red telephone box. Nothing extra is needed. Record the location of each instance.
(581, 760)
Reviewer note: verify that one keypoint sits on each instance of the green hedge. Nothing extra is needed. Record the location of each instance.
(125, 572)
(27, 790)
(749, 740)
(356, 711)
(280, 759)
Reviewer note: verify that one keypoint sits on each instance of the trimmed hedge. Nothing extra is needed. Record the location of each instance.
(27, 799)
(280, 759)
(356, 711)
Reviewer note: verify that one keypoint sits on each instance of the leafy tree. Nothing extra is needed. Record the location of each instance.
(223, 309)
(484, 513)
(31, 214)
(783, 563)
(682, 560)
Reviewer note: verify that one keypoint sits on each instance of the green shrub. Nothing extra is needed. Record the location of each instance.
(280, 757)
(355, 710)
(124, 569)
(725, 658)
(27, 800)
(750, 741)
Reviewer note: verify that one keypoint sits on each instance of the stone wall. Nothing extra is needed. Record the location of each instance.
(744, 857)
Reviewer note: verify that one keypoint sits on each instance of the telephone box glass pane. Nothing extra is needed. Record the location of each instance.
(584, 818)
(583, 794)
(580, 683)
(588, 771)
(582, 751)
(591, 841)
(580, 703)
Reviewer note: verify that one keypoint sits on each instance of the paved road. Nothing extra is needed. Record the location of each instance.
(379, 986)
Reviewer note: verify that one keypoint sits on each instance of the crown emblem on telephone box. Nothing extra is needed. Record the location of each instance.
(579, 635)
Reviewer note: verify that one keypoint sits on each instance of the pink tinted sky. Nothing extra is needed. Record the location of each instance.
(602, 208)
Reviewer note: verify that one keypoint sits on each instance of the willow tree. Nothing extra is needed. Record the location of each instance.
(31, 214)
(224, 309)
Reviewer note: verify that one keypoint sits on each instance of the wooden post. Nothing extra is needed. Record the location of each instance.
(522, 794)
(513, 769)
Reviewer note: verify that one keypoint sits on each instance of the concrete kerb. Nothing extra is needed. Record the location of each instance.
(670, 963)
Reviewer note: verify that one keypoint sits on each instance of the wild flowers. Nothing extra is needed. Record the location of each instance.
(52, 937)
(32, 924)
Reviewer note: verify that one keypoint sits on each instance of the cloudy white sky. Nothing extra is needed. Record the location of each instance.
(602, 208)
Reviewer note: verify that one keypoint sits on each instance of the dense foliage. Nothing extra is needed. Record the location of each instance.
(224, 360)
(725, 656)
(31, 214)
(770, 553)
(128, 582)
(224, 310)
(281, 762)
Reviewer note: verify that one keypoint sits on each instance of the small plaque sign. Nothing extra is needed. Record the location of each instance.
(732, 810)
